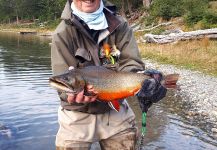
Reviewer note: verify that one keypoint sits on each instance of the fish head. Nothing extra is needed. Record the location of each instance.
(69, 82)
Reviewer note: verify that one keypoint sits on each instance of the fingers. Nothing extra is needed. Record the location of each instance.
(89, 87)
(91, 90)
(88, 99)
(91, 98)
(81, 98)
(71, 98)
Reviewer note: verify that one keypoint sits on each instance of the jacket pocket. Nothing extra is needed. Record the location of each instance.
(82, 55)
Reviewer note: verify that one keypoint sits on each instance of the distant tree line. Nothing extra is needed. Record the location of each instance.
(16, 10)
(193, 11)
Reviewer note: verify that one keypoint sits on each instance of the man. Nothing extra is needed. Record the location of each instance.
(90, 33)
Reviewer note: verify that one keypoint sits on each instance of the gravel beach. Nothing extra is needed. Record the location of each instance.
(195, 87)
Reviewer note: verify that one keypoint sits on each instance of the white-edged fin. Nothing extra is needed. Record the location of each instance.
(115, 105)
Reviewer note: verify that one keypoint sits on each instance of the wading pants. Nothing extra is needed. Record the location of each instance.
(113, 130)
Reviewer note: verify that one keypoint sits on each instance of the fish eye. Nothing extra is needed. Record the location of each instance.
(65, 78)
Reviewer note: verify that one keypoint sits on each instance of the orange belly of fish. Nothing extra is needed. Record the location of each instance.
(116, 95)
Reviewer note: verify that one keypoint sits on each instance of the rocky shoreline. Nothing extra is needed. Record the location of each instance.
(195, 88)
(25, 31)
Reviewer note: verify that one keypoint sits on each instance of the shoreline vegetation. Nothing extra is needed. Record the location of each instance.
(199, 55)
(28, 28)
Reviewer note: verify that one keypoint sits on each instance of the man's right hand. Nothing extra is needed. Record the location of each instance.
(81, 98)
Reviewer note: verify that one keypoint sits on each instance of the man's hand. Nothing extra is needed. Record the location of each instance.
(81, 98)
(157, 75)
(152, 88)
(152, 91)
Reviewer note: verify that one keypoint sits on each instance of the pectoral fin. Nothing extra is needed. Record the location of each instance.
(115, 105)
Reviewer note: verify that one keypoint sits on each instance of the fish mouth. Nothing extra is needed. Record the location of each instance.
(62, 86)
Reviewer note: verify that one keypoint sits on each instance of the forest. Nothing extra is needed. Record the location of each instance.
(203, 12)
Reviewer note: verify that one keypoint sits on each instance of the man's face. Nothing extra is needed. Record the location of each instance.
(87, 6)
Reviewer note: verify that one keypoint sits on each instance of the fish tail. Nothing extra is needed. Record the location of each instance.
(170, 81)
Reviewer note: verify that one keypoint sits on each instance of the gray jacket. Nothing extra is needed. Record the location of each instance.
(72, 45)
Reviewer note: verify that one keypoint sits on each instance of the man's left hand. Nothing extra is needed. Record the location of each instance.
(152, 91)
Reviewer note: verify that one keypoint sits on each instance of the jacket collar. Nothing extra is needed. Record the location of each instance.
(113, 21)
(66, 14)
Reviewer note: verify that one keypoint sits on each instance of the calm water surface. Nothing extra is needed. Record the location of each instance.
(28, 106)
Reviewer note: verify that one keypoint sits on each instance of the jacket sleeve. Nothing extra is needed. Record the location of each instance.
(130, 58)
(61, 52)
(61, 55)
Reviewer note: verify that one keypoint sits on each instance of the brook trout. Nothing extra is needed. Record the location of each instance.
(110, 85)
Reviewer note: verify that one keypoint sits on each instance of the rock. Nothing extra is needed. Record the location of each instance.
(196, 89)
(180, 36)
(192, 113)
(214, 130)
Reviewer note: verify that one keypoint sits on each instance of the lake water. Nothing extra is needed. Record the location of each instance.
(28, 106)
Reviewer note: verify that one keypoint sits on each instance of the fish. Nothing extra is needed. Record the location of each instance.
(111, 86)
